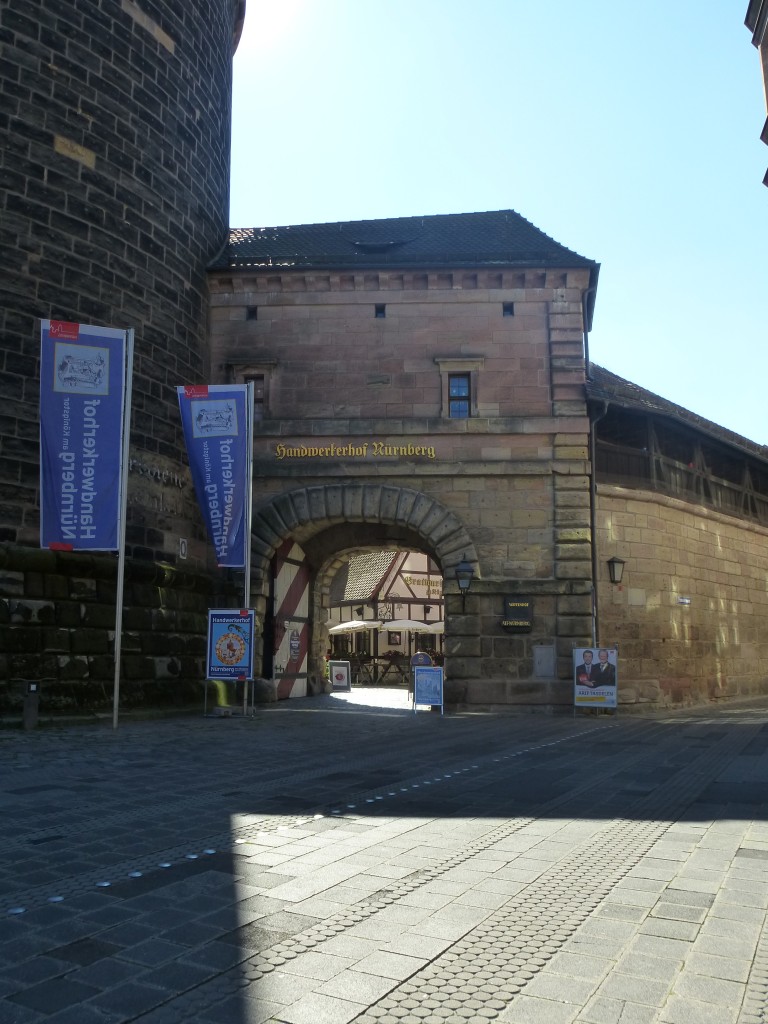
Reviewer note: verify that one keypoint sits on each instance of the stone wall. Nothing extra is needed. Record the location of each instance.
(114, 167)
(57, 624)
(690, 614)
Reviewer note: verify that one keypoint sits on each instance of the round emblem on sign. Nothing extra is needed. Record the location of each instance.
(230, 648)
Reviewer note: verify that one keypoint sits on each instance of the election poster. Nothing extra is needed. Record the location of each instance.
(595, 677)
(216, 424)
(82, 417)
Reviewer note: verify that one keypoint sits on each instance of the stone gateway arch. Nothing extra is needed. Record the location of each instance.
(302, 537)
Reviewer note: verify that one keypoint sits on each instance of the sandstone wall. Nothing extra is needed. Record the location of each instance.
(690, 615)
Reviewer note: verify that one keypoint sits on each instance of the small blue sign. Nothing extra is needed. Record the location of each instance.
(427, 685)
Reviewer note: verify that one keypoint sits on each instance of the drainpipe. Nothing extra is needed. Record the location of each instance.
(593, 514)
(592, 453)
(585, 327)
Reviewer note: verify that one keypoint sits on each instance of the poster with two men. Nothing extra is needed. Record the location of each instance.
(595, 677)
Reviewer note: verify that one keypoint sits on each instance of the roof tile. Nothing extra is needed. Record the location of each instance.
(500, 237)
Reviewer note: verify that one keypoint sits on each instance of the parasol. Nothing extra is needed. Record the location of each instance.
(355, 626)
(410, 626)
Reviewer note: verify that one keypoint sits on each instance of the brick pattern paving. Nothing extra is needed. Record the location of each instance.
(590, 870)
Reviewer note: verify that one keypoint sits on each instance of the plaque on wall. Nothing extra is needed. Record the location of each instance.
(518, 614)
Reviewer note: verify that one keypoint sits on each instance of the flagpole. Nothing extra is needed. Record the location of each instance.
(249, 495)
(121, 532)
(248, 519)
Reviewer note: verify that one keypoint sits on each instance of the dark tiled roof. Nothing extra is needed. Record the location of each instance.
(497, 238)
(606, 386)
(358, 580)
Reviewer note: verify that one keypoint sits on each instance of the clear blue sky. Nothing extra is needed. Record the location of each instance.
(629, 132)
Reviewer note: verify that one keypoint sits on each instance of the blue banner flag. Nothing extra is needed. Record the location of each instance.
(216, 427)
(82, 415)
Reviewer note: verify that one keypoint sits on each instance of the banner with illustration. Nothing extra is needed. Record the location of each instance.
(595, 677)
(230, 643)
(82, 415)
(216, 427)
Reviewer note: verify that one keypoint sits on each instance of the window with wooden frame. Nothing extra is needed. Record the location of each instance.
(259, 375)
(459, 386)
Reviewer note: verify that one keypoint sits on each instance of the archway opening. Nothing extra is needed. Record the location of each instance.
(304, 538)
(384, 606)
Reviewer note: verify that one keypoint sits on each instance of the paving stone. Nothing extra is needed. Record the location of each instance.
(709, 990)
(635, 990)
(319, 1009)
(359, 987)
(527, 1010)
(82, 1013)
(561, 989)
(104, 973)
(656, 968)
(578, 965)
(670, 929)
(50, 996)
(235, 1009)
(680, 1010)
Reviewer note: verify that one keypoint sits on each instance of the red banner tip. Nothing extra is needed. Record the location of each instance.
(58, 546)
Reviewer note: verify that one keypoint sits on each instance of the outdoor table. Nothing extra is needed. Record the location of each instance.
(366, 674)
(393, 669)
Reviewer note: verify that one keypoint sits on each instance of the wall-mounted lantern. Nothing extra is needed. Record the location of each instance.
(616, 569)
(464, 574)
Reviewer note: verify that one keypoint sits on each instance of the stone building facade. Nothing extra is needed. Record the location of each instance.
(114, 163)
(357, 336)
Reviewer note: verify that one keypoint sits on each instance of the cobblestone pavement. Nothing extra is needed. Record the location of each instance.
(341, 859)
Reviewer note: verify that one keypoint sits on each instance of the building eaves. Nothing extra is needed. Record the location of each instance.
(757, 20)
(604, 386)
(493, 239)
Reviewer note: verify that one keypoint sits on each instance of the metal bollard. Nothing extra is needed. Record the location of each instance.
(31, 706)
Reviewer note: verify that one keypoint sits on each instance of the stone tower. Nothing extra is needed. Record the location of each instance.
(115, 124)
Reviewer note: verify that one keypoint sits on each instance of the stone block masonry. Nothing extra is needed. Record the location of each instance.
(690, 613)
(57, 625)
(114, 178)
(114, 168)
